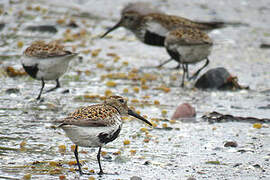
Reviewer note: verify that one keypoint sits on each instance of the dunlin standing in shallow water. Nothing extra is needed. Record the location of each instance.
(97, 125)
(188, 46)
(46, 61)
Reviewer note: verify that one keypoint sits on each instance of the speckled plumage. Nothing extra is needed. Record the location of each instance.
(96, 125)
(171, 22)
(41, 49)
(188, 36)
(96, 114)
(188, 46)
(46, 61)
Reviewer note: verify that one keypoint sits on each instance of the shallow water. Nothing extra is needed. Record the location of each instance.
(29, 146)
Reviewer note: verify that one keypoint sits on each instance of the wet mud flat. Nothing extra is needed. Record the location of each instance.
(120, 64)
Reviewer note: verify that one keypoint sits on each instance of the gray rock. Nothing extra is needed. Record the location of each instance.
(213, 79)
(43, 28)
(135, 178)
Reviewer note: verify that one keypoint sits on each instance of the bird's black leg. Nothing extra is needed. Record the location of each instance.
(98, 158)
(184, 74)
(77, 159)
(57, 86)
(165, 62)
(187, 71)
(199, 70)
(42, 86)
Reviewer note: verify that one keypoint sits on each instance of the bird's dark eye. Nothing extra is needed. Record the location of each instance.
(130, 18)
(121, 100)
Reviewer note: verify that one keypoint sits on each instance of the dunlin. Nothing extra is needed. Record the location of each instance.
(97, 125)
(151, 26)
(46, 61)
(188, 46)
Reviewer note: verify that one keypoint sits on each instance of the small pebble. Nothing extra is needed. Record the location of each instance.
(91, 178)
(184, 110)
(146, 163)
(126, 142)
(135, 178)
(12, 91)
(42, 28)
(257, 125)
(65, 91)
(27, 177)
(230, 144)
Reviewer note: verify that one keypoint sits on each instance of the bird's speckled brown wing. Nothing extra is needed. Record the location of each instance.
(41, 49)
(94, 116)
(189, 36)
(171, 22)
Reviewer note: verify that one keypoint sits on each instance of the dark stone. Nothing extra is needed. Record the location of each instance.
(65, 91)
(146, 163)
(231, 144)
(213, 79)
(264, 45)
(13, 91)
(153, 39)
(256, 166)
(264, 107)
(43, 28)
(135, 178)
(237, 164)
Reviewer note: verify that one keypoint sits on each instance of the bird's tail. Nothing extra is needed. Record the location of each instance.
(220, 24)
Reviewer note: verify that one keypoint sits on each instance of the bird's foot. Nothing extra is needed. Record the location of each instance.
(100, 173)
(40, 99)
(84, 173)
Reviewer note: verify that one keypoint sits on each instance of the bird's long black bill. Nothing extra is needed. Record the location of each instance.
(132, 113)
(111, 29)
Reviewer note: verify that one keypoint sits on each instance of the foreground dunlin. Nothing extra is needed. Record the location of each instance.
(46, 61)
(97, 125)
(188, 46)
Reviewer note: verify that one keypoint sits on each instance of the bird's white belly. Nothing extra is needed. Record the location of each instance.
(87, 136)
(48, 68)
(193, 54)
(52, 71)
